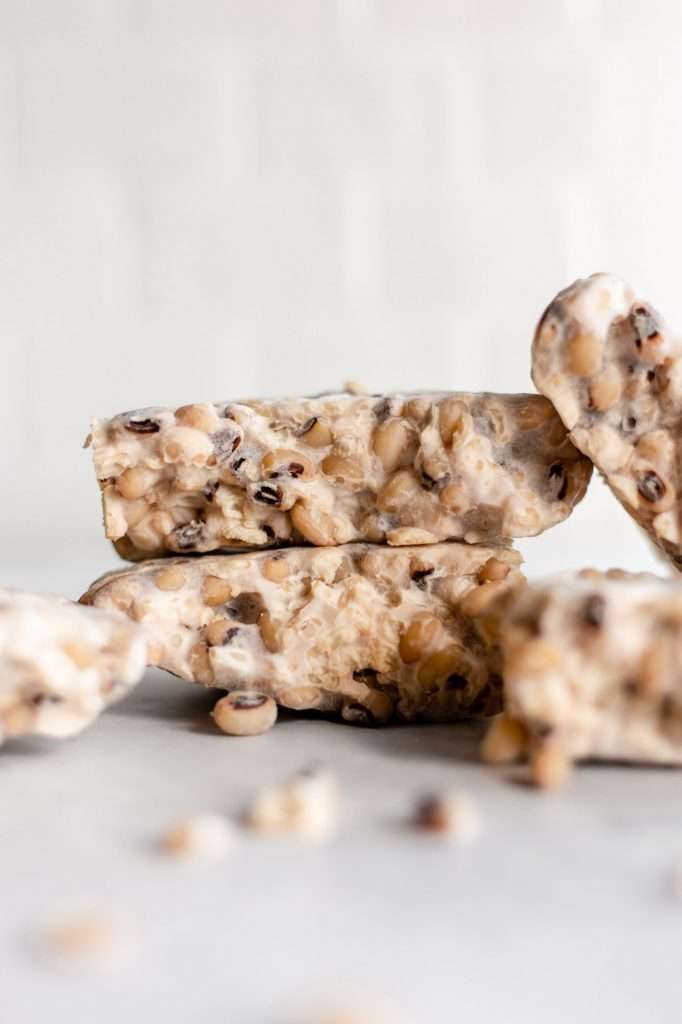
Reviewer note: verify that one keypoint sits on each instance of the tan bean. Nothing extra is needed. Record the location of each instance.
(504, 742)
(417, 409)
(536, 412)
(405, 536)
(535, 657)
(493, 569)
(583, 355)
(286, 461)
(549, 766)
(275, 569)
(479, 598)
(220, 631)
(173, 578)
(135, 482)
(245, 713)
(418, 638)
(454, 422)
(200, 665)
(299, 698)
(200, 417)
(316, 433)
(394, 443)
(316, 527)
(185, 446)
(271, 633)
(439, 666)
(398, 491)
(606, 389)
(344, 468)
(456, 498)
(215, 591)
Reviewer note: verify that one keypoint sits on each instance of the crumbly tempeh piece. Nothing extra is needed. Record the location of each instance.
(592, 669)
(374, 633)
(330, 470)
(613, 371)
(61, 664)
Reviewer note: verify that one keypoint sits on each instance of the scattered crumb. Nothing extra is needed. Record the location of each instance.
(88, 942)
(307, 805)
(353, 387)
(549, 767)
(453, 815)
(204, 837)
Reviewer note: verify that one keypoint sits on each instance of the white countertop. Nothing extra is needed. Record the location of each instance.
(562, 910)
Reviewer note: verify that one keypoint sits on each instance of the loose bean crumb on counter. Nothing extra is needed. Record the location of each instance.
(202, 837)
(86, 942)
(452, 815)
(306, 806)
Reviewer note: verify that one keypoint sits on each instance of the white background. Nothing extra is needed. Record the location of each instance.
(222, 198)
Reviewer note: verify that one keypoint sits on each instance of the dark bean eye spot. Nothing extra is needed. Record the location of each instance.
(630, 422)
(268, 531)
(382, 409)
(456, 682)
(644, 323)
(248, 701)
(650, 374)
(295, 469)
(592, 613)
(651, 487)
(559, 479)
(235, 465)
(308, 425)
(209, 490)
(364, 673)
(420, 577)
(45, 698)
(226, 442)
(143, 426)
(269, 495)
(246, 607)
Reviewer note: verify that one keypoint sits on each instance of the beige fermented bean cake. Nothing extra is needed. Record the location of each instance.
(592, 669)
(371, 632)
(61, 664)
(337, 468)
(612, 369)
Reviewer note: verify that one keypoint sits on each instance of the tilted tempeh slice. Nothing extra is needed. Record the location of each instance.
(371, 632)
(334, 469)
(592, 668)
(61, 664)
(612, 369)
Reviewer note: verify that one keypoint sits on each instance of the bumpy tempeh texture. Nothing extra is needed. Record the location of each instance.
(371, 632)
(335, 469)
(613, 371)
(61, 664)
(593, 666)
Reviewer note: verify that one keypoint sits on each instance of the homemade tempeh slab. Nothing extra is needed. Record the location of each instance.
(613, 370)
(371, 632)
(61, 664)
(334, 469)
(592, 669)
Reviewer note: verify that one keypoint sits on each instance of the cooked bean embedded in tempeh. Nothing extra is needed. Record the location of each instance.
(334, 469)
(372, 633)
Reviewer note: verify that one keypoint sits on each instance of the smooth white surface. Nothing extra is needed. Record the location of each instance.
(563, 910)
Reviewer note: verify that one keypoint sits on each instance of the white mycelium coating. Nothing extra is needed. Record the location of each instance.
(371, 632)
(612, 369)
(398, 469)
(61, 664)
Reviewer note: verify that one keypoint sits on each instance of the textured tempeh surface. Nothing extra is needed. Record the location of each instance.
(592, 665)
(371, 632)
(61, 664)
(612, 369)
(335, 469)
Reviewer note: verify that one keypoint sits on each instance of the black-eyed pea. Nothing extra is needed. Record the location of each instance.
(606, 389)
(405, 536)
(456, 498)
(135, 482)
(215, 591)
(245, 713)
(316, 433)
(271, 633)
(200, 665)
(201, 417)
(656, 492)
(275, 569)
(395, 444)
(439, 666)
(476, 600)
(314, 526)
(172, 578)
(493, 569)
(534, 657)
(399, 491)
(186, 446)
(287, 462)
(504, 742)
(375, 708)
(419, 638)
(163, 522)
(343, 468)
(454, 422)
(299, 698)
(536, 412)
(583, 355)
(417, 409)
(220, 632)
